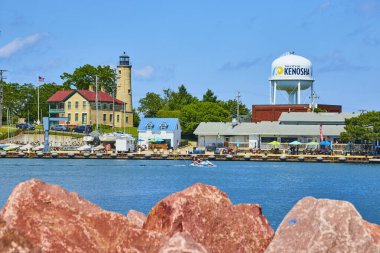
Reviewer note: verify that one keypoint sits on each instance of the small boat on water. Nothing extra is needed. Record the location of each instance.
(11, 147)
(84, 148)
(202, 164)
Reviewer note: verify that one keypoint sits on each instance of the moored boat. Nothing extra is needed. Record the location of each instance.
(11, 147)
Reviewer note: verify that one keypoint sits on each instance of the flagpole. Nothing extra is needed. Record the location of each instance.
(38, 104)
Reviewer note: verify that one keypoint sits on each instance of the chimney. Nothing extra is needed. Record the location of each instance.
(91, 87)
(102, 89)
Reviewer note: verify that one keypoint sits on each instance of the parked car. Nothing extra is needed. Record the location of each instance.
(25, 126)
(82, 129)
(59, 128)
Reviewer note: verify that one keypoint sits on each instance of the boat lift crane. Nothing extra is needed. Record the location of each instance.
(46, 123)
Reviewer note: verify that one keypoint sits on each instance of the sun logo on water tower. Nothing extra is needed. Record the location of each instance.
(278, 71)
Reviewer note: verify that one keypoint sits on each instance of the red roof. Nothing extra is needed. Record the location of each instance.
(60, 96)
(102, 96)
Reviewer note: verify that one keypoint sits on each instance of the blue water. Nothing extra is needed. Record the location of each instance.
(121, 185)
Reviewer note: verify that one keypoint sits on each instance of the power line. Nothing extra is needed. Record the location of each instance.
(2, 77)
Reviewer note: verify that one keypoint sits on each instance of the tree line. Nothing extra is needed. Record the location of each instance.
(21, 99)
(189, 109)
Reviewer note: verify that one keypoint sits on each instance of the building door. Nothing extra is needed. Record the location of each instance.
(84, 118)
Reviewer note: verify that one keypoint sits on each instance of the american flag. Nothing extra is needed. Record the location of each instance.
(320, 132)
(41, 79)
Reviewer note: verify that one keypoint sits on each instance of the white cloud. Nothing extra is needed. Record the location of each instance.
(19, 43)
(145, 72)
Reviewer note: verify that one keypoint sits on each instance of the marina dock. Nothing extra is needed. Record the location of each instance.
(228, 157)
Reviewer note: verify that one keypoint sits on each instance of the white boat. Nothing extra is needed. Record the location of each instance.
(84, 148)
(11, 147)
(202, 164)
(111, 137)
(26, 147)
(98, 148)
(2, 146)
(38, 148)
(88, 138)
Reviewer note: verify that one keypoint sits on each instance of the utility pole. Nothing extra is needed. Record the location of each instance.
(96, 102)
(237, 106)
(2, 77)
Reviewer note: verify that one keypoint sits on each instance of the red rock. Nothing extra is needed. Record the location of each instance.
(12, 241)
(136, 218)
(323, 225)
(56, 220)
(182, 242)
(209, 217)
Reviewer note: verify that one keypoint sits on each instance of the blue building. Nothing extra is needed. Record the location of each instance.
(166, 130)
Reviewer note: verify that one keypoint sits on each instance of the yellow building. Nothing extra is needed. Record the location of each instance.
(80, 106)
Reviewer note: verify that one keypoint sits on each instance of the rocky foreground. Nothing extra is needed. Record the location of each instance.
(40, 217)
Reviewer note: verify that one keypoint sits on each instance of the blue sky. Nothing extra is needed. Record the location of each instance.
(227, 46)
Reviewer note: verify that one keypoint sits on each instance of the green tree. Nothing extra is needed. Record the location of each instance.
(231, 106)
(22, 100)
(195, 113)
(151, 104)
(84, 76)
(209, 96)
(177, 100)
(168, 114)
(136, 118)
(365, 128)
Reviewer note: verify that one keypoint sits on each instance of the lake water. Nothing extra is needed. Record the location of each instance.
(121, 185)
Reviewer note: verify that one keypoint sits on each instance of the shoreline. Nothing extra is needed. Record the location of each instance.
(228, 157)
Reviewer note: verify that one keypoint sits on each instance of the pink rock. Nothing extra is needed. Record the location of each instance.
(56, 220)
(12, 241)
(323, 225)
(209, 217)
(182, 242)
(136, 218)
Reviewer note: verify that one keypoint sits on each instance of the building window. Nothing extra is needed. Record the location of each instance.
(69, 105)
(149, 126)
(163, 126)
(129, 91)
(69, 117)
(84, 104)
(110, 118)
(76, 117)
(111, 106)
(84, 118)
(126, 119)
(104, 118)
(117, 118)
(76, 104)
(104, 106)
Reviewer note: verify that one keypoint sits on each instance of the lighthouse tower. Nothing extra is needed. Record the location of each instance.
(124, 88)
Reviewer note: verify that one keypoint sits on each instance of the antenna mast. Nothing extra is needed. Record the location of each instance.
(237, 106)
(2, 77)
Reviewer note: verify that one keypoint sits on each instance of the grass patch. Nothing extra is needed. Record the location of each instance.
(4, 132)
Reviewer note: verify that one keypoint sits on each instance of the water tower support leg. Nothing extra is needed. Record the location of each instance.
(299, 93)
(274, 92)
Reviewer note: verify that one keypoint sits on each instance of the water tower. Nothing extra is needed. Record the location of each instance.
(291, 73)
